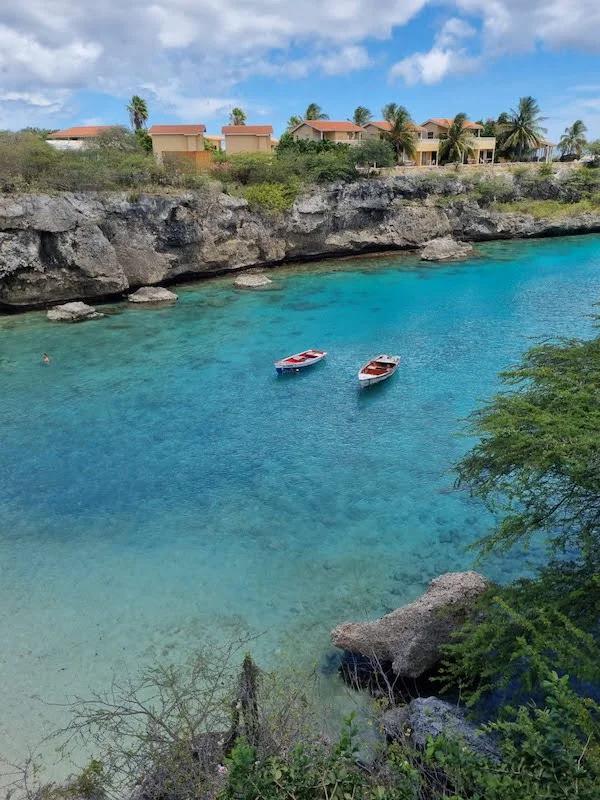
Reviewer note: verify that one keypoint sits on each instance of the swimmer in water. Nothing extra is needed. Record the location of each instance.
(45, 358)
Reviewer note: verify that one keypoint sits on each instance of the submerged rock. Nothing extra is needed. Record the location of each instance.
(73, 312)
(410, 637)
(252, 280)
(430, 716)
(153, 294)
(446, 249)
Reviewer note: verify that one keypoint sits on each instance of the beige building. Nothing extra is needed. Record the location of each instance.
(426, 150)
(437, 128)
(248, 138)
(316, 130)
(429, 136)
(77, 138)
(176, 140)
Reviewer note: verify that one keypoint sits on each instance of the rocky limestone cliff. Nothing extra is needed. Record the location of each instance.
(91, 245)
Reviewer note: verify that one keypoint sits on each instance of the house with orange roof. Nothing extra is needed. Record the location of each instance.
(178, 141)
(484, 146)
(248, 138)
(317, 130)
(77, 137)
(426, 151)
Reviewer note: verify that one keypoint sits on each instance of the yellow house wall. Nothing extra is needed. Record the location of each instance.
(247, 143)
(176, 143)
(306, 132)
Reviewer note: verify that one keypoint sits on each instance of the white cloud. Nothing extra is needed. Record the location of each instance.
(203, 49)
(447, 56)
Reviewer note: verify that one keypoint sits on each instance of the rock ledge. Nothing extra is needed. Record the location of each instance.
(252, 280)
(410, 637)
(73, 312)
(152, 294)
(446, 249)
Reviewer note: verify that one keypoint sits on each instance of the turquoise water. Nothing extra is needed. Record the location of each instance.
(160, 484)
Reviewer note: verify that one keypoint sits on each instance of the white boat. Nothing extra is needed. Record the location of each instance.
(299, 361)
(378, 369)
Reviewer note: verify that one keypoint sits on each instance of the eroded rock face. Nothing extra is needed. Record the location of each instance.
(430, 716)
(446, 249)
(252, 280)
(410, 637)
(73, 312)
(153, 294)
(89, 245)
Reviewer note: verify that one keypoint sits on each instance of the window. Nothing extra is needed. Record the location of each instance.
(430, 134)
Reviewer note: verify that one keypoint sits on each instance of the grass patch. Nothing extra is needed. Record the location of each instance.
(550, 209)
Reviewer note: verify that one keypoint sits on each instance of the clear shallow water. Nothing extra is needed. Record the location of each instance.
(159, 482)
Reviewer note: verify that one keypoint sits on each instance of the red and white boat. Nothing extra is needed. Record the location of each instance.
(299, 361)
(378, 369)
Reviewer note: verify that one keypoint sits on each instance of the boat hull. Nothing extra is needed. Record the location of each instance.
(369, 379)
(281, 367)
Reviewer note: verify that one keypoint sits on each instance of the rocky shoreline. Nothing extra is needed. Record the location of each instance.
(86, 246)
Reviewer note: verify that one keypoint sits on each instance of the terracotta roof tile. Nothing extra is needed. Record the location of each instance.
(186, 130)
(384, 125)
(249, 130)
(446, 122)
(330, 125)
(80, 132)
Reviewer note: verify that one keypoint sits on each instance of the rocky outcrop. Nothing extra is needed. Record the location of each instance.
(55, 248)
(446, 249)
(73, 312)
(252, 280)
(153, 294)
(410, 637)
(430, 716)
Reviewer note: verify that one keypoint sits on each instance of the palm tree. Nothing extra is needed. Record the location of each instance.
(138, 112)
(314, 111)
(573, 140)
(294, 121)
(523, 131)
(237, 116)
(459, 143)
(402, 134)
(361, 116)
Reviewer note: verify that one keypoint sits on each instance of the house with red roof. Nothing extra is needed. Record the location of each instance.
(77, 137)
(437, 128)
(177, 140)
(316, 130)
(248, 139)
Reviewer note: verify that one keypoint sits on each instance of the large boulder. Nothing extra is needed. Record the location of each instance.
(252, 280)
(430, 716)
(152, 294)
(73, 312)
(410, 638)
(446, 249)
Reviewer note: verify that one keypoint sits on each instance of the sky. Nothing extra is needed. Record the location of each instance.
(68, 62)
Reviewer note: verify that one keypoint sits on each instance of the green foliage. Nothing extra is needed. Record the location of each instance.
(144, 140)
(522, 131)
(550, 209)
(402, 135)
(549, 751)
(459, 144)
(138, 112)
(494, 189)
(237, 116)
(538, 457)
(373, 152)
(518, 637)
(361, 116)
(272, 196)
(288, 145)
(573, 140)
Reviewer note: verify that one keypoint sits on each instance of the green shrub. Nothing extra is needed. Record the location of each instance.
(373, 152)
(494, 189)
(272, 196)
